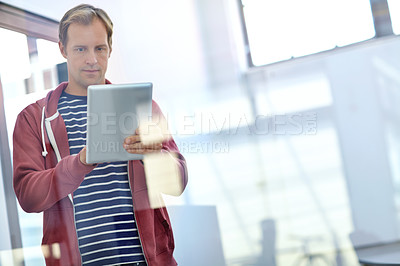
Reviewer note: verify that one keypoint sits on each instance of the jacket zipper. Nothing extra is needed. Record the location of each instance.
(134, 215)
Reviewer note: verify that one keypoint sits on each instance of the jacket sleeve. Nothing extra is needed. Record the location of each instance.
(169, 146)
(37, 186)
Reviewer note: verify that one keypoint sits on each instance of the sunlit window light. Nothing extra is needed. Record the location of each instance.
(48, 53)
(280, 30)
(14, 63)
(394, 8)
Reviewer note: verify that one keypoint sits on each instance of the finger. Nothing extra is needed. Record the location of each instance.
(141, 151)
(132, 139)
(154, 146)
(140, 145)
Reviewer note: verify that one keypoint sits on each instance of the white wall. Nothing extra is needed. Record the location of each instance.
(158, 41)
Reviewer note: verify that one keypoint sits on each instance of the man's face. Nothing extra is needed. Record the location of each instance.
(87, 52)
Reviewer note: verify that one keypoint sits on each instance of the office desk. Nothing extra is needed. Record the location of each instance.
(387, 254)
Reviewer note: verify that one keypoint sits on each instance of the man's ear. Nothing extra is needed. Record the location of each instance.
(109, 54)
(62, 50)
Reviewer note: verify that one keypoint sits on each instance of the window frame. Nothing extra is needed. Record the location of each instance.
(28, 23)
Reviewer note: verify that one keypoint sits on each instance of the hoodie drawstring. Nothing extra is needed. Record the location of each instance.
(44, 152)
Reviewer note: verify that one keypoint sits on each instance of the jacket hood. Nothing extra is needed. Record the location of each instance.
(51, 99)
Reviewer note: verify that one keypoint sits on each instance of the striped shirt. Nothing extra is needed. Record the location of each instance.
(104, 218)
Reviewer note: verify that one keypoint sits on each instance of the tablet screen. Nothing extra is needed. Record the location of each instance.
(114, 112)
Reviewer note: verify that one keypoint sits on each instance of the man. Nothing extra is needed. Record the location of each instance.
(108, 220)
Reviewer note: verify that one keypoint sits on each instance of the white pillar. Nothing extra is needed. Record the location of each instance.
(362, 141)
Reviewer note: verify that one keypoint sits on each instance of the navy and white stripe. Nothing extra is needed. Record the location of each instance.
(104, 218)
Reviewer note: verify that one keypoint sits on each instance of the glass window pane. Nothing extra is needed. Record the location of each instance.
(49, 53)
(292, 187)
(14, 63)
(280, 30)
(394, 8)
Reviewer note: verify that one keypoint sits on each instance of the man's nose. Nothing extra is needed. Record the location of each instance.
(91, 58)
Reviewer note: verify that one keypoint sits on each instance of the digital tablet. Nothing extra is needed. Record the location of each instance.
(114, 112)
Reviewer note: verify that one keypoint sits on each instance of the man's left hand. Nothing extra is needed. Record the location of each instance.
(134, 144)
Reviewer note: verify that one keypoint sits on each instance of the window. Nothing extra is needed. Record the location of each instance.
(281, 30)
(394, 8)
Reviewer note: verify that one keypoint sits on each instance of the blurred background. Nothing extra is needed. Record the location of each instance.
(284, 110)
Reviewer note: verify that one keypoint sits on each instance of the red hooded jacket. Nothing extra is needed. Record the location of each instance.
(45, 174)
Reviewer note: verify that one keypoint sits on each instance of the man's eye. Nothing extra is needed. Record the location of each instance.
(79, 49)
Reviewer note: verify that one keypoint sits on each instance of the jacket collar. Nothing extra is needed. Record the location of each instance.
(52, 99)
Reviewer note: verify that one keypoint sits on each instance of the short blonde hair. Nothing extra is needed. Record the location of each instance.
(84, 14)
